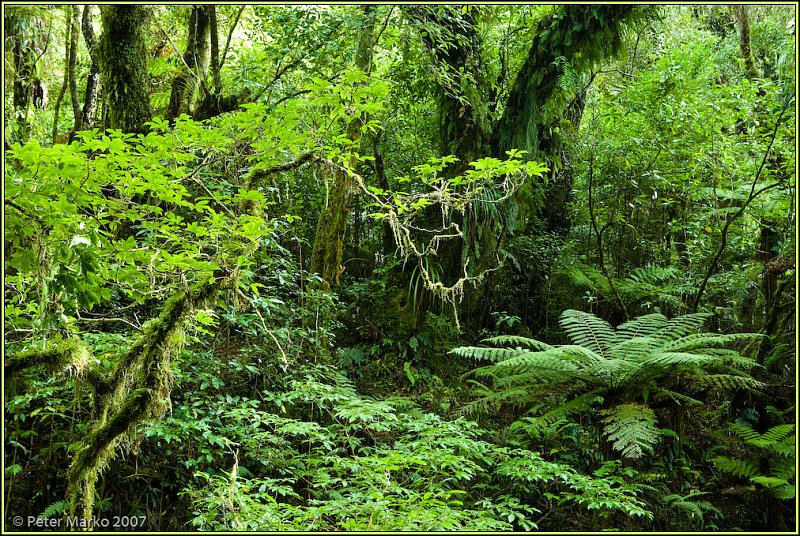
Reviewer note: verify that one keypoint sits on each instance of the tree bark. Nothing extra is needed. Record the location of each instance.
(123, 66)
(23, 52)
(93, 78)
(196, 60)
(743, 25)
(326, 257)
(77, 113)
(65, 81)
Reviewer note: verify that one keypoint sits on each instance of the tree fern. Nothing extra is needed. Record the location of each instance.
(668, 358)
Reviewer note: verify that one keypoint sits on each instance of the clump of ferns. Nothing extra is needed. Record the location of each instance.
(621, 374)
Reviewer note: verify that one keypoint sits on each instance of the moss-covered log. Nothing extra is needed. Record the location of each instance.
(138, 389)
(58, 355)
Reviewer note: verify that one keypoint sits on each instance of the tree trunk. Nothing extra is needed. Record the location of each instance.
(326, 257)
(18, 33)
(123, 66)
(77, 113)
(65, 81)
(93, 79)
(743, 25)
(196, 59)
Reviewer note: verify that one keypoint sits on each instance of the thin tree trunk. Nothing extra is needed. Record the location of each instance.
(740, 12)
(215, 66)
(77, 113)
(196, 62)
(93, 79)
(64, 81)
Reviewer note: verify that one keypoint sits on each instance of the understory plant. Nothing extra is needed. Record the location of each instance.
(625, 373)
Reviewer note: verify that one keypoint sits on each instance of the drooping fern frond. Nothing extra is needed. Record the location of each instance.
(681, 326)
(727, 382)
(632, 428)
(702, 341)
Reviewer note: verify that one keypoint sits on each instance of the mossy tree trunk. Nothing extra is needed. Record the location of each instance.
(576, 35)
(93, 78)
(326, 256)
(77, 112)
(741, 14)
(21, 27)
(123, 65)
(196, 59)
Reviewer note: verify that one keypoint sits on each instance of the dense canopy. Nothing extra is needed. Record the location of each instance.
(399, 267)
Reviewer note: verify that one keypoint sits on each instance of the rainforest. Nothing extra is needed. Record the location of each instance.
(399, 267)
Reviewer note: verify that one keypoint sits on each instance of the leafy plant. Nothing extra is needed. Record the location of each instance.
(775, 449)
(626, 370)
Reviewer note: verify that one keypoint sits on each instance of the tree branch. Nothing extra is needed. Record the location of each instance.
(712, 267)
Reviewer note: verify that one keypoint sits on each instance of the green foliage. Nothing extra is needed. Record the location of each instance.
(632, 428)
(775, 447)
(643, 361)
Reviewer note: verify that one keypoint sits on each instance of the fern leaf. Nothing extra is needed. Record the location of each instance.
(486, 354)
(785, 492)
(697, 341)
(768, 481)
(532, 344)
(641, 326)
(54, 510)
(632, 428)
(745, 432)
(550, 365)
(736, 467)
(669, 359)
(777, 433)
(585, 329)
(681, 326)
(727, 382)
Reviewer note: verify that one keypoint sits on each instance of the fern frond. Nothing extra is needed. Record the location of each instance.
(671, 359)
(785, 492)
(699, 341)
(55, 509)
(774, 435)
(678, 398)
(632, 428)
(681, 326)
(785, 447)
(585, 329)
(745, 432)
(641, 326)
(736, 467)
(486, 354)
(519, 341)
(727, 382)
(770, 482)
(580, 403)
(548, 364)
(783, 467)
